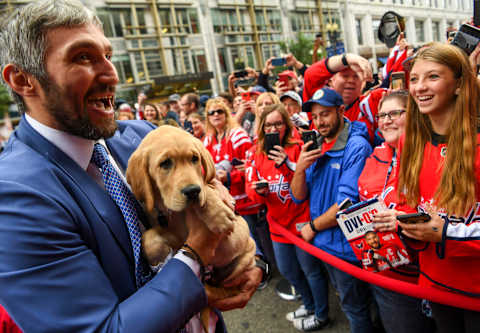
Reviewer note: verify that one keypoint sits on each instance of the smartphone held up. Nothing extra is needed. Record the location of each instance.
(271, 140)
(414, 218)
(397, 81)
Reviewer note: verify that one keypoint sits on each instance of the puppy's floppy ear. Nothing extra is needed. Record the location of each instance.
(207, 161)
(139, 178)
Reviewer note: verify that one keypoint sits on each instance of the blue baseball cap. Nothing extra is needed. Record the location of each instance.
(258, 89)
(325, 97)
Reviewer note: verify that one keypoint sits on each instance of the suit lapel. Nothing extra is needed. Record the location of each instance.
(123, 144)
(106, 208)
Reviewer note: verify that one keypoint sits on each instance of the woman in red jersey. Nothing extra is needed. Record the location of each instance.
(399, 313)
(268, 178)
(439, 173)
(228, 143)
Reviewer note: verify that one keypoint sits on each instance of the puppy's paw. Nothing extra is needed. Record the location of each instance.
(155, 247)
(223, 221)
(217, 216)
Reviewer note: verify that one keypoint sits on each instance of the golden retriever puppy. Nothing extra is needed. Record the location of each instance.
(170, 174)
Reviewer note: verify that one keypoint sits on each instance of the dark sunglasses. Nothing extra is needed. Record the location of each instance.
(219, 111)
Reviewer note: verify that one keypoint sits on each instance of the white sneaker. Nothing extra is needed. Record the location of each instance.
(301, 312)
(310, 323)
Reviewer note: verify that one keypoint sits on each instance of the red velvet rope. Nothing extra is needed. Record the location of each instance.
(402, 287)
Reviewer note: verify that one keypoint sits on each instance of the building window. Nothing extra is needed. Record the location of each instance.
(222, 58)
(115, 21)
(124, 69)
(358, 28)
(229, 21)
(165, 20)
(154, 64)
(303, 22)
(436, 31)
(375, 26)
(194, 24)
(199, 61)
(420, 31)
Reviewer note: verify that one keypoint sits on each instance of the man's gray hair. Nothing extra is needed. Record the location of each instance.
(23, 35)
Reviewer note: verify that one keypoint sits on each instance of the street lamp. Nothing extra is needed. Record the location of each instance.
(332, 32)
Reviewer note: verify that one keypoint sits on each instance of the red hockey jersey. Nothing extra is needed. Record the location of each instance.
(233, 145)
(455, 261)
(376, 180)
(280, 207)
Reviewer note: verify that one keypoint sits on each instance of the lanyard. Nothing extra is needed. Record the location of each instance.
(390, 168)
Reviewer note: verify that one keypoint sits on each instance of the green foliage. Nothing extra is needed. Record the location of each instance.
(5, 100)
(301, 48)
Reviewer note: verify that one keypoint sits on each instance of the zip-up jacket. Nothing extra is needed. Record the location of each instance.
(334, 177)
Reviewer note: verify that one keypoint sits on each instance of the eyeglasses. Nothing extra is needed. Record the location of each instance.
(277, 125)
(392, 115)
(219, 112)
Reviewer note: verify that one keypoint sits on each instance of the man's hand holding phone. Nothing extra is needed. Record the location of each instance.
(307, 157)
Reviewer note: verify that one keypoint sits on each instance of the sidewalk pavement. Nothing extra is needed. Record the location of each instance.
(265, 313)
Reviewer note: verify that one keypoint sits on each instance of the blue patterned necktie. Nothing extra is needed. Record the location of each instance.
(125, 200)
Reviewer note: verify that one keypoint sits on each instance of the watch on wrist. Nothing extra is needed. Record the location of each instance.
(264, 266)
(344, 60)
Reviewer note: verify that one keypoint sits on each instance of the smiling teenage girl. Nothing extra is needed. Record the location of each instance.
(439, 173)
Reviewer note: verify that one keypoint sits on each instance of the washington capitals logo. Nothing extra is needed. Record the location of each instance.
(282, 189)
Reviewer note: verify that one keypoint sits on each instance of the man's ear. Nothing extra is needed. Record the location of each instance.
(341, 109)
(20, 82)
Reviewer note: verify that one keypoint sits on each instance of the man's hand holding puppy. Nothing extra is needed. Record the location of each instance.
(247, 283)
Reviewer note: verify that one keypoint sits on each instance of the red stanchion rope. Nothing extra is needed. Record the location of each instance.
(402, 287)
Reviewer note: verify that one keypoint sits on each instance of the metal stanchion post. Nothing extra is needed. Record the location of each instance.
(286, 291)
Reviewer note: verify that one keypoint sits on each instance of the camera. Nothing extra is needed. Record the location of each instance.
(467, 38)
(241, 73)
(244, 82)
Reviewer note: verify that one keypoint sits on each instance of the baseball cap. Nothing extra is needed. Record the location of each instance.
(293, 95)
(204, 99)
(174, 98)
(258, 89)
(124, 107)
(326, 97)
(289, 73)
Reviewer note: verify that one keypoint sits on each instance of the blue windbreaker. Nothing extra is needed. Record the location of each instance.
(334, 177)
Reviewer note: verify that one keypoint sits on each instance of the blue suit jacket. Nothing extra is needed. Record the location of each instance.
(66, 262)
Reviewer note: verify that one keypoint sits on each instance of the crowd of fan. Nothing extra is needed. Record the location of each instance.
(360, 133)
(359, 124)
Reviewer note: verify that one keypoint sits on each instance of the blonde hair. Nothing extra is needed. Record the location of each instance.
(263, 96)
(287, 138)
(230, 123)
(456, 190)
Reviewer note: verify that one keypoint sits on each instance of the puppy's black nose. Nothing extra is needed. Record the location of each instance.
(191, 191)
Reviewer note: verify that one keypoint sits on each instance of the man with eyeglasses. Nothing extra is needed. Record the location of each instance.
(326, 176)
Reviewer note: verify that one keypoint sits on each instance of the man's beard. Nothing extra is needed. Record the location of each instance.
(334, 130)
(77, 124)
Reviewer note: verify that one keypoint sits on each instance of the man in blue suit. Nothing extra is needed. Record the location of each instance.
(66, 259)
